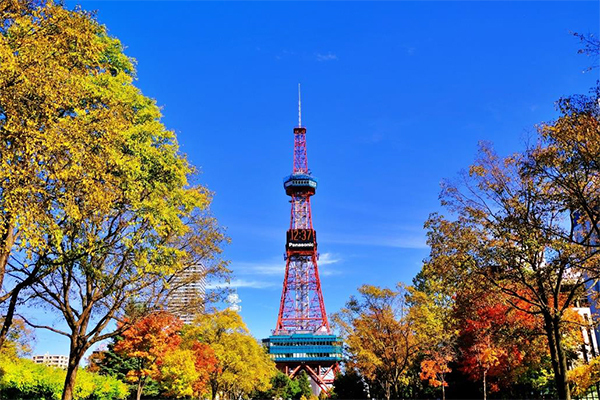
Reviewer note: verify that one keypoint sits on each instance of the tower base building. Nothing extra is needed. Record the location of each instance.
(317, 354)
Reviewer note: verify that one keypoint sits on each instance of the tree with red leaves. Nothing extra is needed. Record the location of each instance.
(497, 339)
(148, 342)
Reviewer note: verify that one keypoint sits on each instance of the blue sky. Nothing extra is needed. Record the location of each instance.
(395, 97)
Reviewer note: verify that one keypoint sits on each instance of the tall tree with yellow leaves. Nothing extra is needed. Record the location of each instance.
(380, 338)
(97, 212)
(431, 315)
(242, 366)
(49, 127)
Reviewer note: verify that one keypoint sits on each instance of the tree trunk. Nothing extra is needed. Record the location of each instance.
(140, 388)
(75, 355)
(443, 388)
(6, 242)
(484, 385)
(562, 384)
(557, 356)
(214, 389)
(551, 344)
(8, 318)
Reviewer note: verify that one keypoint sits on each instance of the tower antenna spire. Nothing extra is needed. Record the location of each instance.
(299, 108)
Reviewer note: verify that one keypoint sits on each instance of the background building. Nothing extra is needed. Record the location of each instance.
(59, 361)
(589, 345)
(593, 287)
(187, 297)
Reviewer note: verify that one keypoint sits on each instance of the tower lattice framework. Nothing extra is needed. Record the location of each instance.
(302, 339)
(302, 308)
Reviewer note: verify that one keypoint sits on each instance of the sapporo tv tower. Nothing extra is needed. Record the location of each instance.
(302, 339)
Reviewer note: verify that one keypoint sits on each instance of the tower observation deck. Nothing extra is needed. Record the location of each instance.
(302, 339)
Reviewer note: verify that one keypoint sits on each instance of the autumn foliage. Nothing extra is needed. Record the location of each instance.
(584, 376)
(496, 340)
(377, 330)
(214, 356)
(495, 301)
(97, 209)
(148, 342)
(434, 370)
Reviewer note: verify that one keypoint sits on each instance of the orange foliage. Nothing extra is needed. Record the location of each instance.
(148, 341)
(434, 371)
(205, 363)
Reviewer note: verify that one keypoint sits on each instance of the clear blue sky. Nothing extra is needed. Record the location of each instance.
(396, 96)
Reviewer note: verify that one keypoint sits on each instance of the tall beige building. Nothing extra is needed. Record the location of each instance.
(186, 299)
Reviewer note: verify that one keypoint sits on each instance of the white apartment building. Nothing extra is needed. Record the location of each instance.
(59, 361)
(589, 344)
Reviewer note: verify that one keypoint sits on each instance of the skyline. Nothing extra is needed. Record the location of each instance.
(376, 139)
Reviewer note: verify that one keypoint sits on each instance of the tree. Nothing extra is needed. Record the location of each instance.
(282, 387)
(157, 360)
(23, 379)
(590, 47)
(18, 340)
(204, 364)
(481, 356)
(499, 344)
(110, 363)
(462, 319)
(349, 385)
(147, 343)
(435, 328)
(186, 372)
(94, 186)
(584, 376)
(242, 366)
(521, 239)
(178, 373)
(52, 61)
(566, 162)
(379, 337)
(304, 389)
(434, 371)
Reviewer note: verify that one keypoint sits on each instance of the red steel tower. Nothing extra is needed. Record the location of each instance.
(302, 339)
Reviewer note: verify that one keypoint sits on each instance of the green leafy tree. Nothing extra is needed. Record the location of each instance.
(118, 365)
(282, 387)
(304, 388)
(21, 378)
(349, 385)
